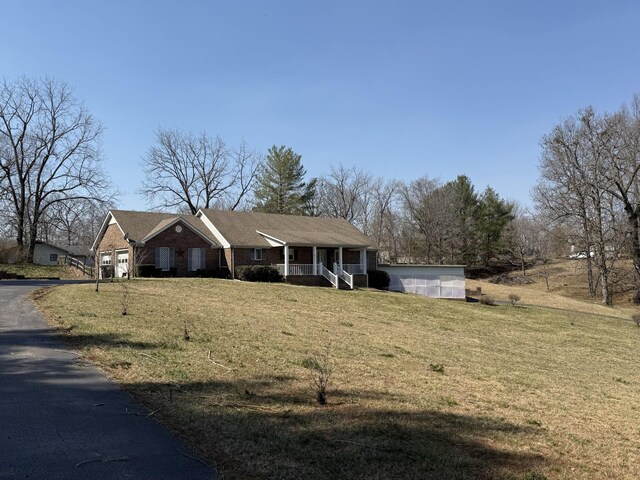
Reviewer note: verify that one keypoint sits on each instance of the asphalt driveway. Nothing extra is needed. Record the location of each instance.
(60, 418)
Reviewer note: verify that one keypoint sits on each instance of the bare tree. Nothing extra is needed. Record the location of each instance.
(188, 172)
(50, 152)
(340, 193)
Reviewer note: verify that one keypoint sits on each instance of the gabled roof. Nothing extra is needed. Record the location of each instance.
(252, 229)
(141, 226)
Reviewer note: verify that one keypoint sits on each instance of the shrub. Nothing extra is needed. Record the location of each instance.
(514, 298)
(487, 300)
(258, 273)
(436, 367)
(146, 271)
(379, 279)
(222, 272)
(107, 271)
(321, 369)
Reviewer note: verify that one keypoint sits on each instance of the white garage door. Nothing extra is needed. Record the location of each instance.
(122, 264)
(433, 281)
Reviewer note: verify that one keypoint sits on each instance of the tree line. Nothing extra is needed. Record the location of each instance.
(53, 187)
(590, 186)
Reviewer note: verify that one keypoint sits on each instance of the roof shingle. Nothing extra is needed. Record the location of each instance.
(241, 229)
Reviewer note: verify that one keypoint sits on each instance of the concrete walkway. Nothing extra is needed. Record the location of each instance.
(62, 419)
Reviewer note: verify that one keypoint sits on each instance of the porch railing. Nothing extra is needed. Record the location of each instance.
(296, 268)
(354, 268)
(329, 275)
(348, 279)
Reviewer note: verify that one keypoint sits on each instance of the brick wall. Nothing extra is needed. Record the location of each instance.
(181, 242)
(112, 240)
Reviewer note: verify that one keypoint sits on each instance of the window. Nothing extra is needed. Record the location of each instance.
(53, 257)
(256, 254)
(196, 259)
(165, 258)
(292, 254)
(105, 259)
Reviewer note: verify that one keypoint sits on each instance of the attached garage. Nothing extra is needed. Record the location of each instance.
(433, 281)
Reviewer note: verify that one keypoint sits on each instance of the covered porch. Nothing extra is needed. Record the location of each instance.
(339, 265)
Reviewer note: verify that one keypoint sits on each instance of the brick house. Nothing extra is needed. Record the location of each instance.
(306, 250)
(178, 245)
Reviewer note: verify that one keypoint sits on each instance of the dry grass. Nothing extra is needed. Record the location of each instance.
(567, 290)
(419, 388)
(30, 270)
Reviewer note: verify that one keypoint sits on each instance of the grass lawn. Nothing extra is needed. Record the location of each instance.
(30, 270)
(419, 388)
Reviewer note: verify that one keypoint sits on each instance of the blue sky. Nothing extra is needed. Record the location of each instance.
(399, 88)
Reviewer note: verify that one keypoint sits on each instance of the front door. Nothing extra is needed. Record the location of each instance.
(322, 257)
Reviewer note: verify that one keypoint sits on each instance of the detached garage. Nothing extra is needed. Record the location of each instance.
(433, 281)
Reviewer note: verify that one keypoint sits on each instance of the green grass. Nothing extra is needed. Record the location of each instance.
(30, 270)
(418, 388)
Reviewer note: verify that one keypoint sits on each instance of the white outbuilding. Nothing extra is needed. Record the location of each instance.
(433, 281)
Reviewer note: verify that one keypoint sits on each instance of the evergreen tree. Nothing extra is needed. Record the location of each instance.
(494, 214)
(281, 185)
(465, 202)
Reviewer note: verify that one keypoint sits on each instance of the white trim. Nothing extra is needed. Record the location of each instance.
(314, 254)
(254, 257)
(275, 242)
(286, 260)
(216, 233)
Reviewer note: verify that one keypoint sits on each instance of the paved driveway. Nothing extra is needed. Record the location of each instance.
(62, 419)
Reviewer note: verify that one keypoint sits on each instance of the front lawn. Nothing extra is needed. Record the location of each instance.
(419, 388)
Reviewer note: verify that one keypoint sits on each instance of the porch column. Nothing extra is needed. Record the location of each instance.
(363, 260)
(315, 260)
(286, 260)
(340, 257)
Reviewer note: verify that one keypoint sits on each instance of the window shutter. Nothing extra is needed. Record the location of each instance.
(157, 257)
(172, 257)
(203, 258)
(189, 263)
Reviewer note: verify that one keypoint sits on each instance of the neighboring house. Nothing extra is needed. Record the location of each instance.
(306, 250)
(433, 281)
(49, 254)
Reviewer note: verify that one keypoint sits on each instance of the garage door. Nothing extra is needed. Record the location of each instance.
(434, 281)
(122, 264)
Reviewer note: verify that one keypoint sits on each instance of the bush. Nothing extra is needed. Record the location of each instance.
(258, 273)
(146, 271)
(107, 271)
(222, 272)
(379, 279)
(487, 300)
(514, 298)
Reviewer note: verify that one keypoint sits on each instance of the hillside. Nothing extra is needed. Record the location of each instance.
(419, 388)
(567, 288)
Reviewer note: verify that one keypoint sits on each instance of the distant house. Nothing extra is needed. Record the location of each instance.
(306, 250)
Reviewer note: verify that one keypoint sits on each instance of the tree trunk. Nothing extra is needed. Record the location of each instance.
(632, 218)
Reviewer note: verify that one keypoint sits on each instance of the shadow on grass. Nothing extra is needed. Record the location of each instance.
(271, 429)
